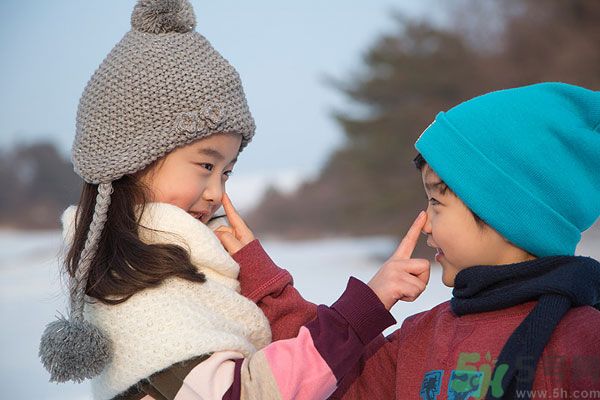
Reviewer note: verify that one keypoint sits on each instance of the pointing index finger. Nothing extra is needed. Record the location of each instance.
(409, 242)
(234, 218)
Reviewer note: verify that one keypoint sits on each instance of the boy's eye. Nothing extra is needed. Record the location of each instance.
(433, 201)
(228, 173)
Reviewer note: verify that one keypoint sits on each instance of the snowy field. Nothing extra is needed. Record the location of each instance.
(31, 294)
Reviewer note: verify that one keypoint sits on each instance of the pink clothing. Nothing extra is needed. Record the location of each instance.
(289, 360)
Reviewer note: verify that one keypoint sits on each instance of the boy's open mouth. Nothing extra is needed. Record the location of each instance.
(439, 253)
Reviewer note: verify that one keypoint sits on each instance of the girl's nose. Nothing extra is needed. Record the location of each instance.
(214, 190)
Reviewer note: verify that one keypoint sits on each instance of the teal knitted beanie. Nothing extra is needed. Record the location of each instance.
(526, 160)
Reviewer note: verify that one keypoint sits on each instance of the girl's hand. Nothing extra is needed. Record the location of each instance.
(402, 277)
(237, 235)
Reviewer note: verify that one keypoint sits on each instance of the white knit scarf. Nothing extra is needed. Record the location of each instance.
(180, 319)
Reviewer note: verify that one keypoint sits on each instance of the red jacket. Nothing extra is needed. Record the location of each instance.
(436, 354)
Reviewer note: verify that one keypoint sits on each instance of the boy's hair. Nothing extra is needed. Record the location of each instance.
(124, 265)
(420, 163)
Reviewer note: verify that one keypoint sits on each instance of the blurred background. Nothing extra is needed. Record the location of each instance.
(340, 90)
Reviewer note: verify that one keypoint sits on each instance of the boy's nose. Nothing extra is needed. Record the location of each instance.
(427, 227)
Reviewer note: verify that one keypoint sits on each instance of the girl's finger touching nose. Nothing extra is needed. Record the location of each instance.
(409, 242)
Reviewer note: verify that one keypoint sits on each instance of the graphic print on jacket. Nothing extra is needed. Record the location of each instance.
(475, 375)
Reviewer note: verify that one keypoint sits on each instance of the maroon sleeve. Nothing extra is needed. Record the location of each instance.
(374, 376)
(339, 334)
(271, 288)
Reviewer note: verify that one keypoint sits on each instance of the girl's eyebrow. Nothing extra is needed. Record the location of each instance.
(211, 152)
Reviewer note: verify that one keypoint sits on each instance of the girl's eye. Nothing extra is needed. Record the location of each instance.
(207, 166)
(228, 173)
(433, 201)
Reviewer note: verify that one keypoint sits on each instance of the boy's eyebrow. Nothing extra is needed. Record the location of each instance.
(433, 186)
(209, 151)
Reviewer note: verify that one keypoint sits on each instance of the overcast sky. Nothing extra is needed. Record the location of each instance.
(282, 50)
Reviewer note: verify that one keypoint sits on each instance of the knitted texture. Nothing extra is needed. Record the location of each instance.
(525, 160)
(154, 92)
(79, 282)
(180, 319)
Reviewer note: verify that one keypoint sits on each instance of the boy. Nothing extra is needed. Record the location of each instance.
(512, 178)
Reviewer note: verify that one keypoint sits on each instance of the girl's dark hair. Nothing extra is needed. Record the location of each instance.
(123, 264)
(420, 163)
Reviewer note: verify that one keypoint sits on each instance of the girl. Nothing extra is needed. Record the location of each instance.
(155, 308)
(512, 180)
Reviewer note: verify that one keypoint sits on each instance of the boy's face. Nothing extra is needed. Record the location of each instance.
(459, 240)
(193, 177)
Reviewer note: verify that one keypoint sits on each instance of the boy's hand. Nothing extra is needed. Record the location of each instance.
(237, 235)
(402, 277)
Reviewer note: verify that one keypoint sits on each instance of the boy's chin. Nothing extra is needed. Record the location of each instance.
(448, 280)
(448, 274)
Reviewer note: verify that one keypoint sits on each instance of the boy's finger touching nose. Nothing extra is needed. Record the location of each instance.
(229, 241)
(409, 242)
(232, 215)
(223, 228)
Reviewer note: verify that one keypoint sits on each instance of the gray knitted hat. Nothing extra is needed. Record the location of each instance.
(162, 86)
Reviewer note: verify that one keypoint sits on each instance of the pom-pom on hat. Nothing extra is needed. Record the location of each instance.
(526, 160)
(161, 87)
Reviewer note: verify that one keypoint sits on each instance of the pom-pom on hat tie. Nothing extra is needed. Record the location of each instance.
(161, 87)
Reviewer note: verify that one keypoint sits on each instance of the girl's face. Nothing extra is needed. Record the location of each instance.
(193, 177)
(459, 240)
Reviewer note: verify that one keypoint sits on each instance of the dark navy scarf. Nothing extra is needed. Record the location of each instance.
(558, 282)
